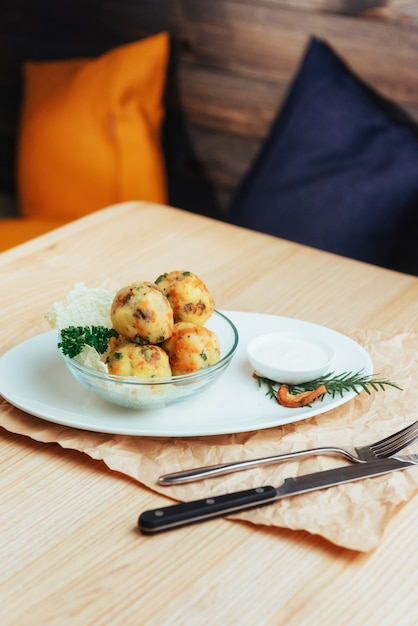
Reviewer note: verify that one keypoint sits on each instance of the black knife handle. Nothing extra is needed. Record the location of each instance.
(177, 515)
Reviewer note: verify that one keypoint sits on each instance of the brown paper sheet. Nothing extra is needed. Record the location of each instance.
(353, 516)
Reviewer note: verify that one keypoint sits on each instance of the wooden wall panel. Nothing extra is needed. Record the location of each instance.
(233, 62)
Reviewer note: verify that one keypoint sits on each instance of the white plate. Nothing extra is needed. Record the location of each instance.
(34, 378)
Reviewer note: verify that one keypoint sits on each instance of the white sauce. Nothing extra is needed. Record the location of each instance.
(295, 355)
(289, 357)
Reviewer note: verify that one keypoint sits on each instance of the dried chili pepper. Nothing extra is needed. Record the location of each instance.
(292, 401)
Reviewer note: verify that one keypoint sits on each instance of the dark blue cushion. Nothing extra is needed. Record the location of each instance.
(339, 170)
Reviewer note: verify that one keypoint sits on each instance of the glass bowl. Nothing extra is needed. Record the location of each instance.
(155, 393)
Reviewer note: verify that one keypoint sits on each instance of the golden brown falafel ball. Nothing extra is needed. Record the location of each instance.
(191, 348)
(127, 358)
(140, 311)
(188, 295)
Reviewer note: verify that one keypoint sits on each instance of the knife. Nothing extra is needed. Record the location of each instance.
(178, 515)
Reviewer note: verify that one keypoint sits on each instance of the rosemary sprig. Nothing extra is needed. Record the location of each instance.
(336, 385)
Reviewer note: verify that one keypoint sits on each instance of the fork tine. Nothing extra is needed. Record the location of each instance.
(399, 433)
(398, 446)
(397, 441)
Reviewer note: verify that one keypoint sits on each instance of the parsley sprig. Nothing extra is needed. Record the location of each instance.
(74, 338)
(336, 385)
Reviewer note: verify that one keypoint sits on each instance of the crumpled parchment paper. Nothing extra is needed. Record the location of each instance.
(353, 516)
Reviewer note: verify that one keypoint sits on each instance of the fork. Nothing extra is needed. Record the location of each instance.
(387, 447)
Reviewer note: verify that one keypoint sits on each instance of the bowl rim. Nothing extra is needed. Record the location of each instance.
(182, 378)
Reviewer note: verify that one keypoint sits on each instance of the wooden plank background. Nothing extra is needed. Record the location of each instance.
(233, 61)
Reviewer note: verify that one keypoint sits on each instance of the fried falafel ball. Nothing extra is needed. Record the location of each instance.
(141, 312)
(188, 295)
(191, 348)
(127, 358)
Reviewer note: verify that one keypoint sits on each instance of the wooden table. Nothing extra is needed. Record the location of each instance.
(71, 553)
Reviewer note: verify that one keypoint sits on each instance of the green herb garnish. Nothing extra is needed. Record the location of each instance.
(74, 338)
(336, 385)
(160, 278)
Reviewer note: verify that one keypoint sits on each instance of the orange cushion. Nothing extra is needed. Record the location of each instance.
(16, 231)
(90, 131)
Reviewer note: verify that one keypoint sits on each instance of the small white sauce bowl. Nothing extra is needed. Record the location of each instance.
(289, 357)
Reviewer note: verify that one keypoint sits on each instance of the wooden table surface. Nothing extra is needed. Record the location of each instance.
(70, 550)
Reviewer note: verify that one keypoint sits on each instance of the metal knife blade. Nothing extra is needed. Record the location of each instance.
(178, 515)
